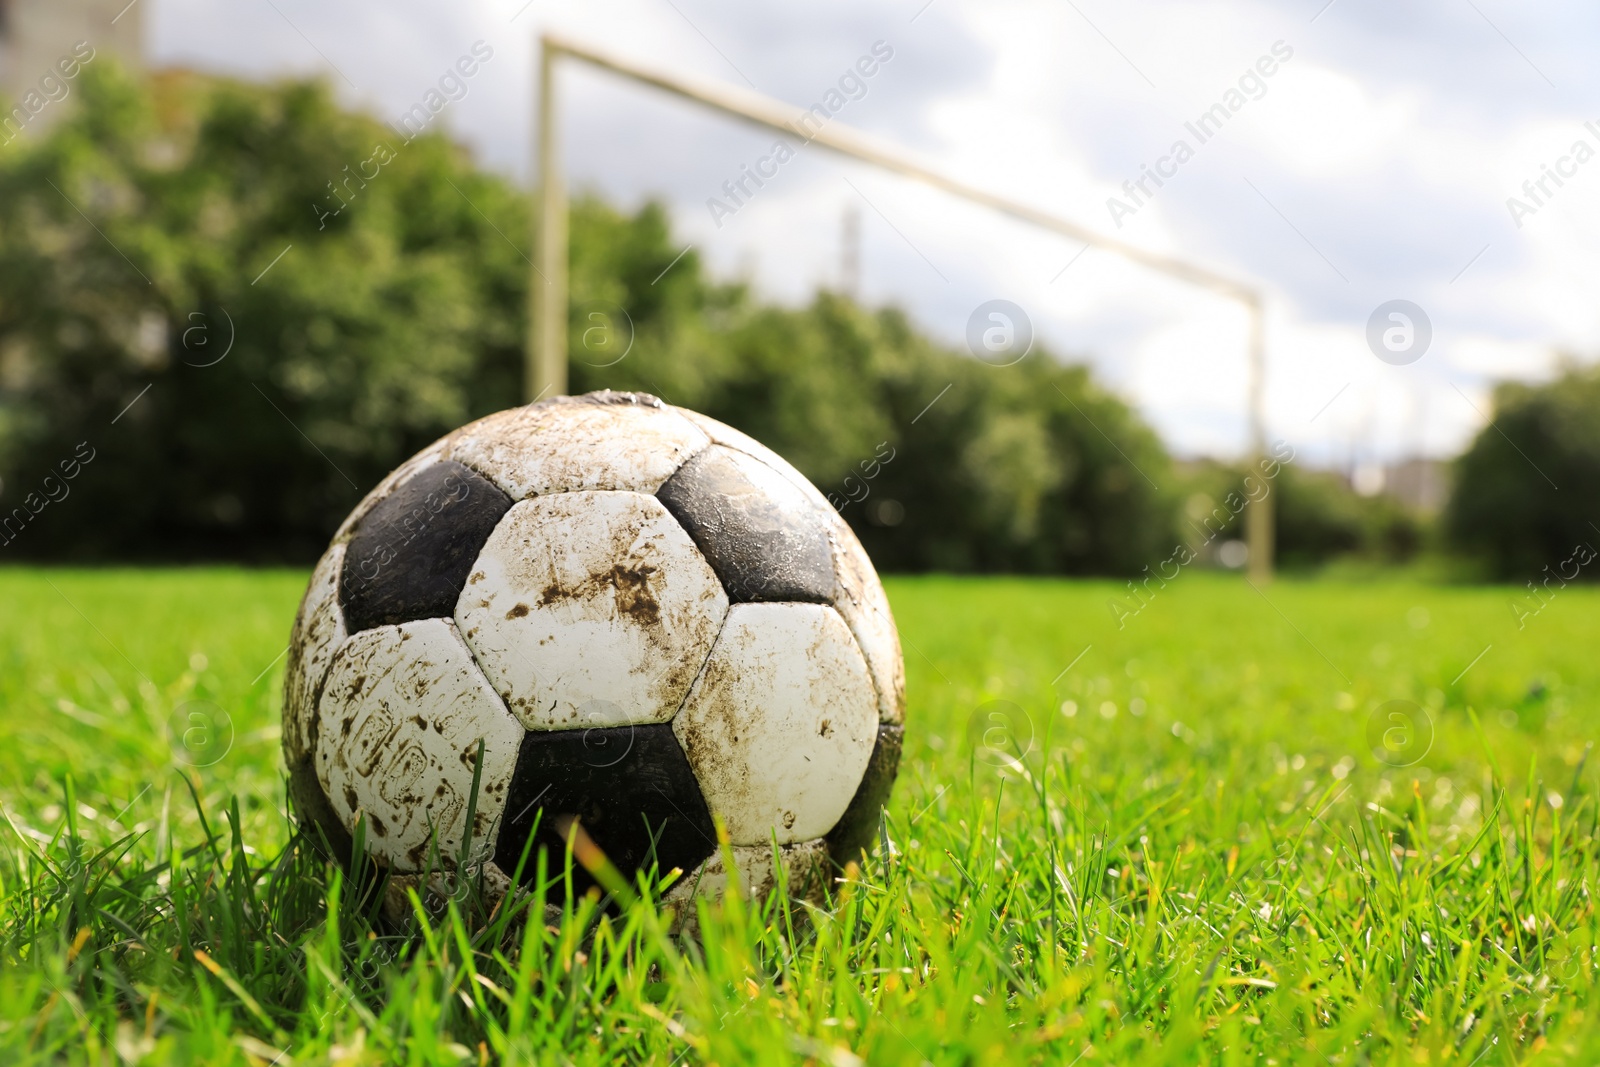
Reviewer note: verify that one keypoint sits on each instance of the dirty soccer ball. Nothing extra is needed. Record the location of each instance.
(641, 617)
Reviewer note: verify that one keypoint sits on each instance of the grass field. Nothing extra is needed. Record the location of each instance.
(1200, 857)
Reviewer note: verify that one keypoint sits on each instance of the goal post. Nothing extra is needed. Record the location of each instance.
(546, 369)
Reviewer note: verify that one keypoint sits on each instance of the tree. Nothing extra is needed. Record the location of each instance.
(1527, 491)
(1317, 516)
(290, 297)
(938, 461)
(250, 305)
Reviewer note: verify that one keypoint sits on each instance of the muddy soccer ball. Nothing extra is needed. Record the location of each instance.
(596, 619)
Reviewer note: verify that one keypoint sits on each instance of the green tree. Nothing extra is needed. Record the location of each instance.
(369, 294)
(1317, 517)
(364, 298)
(1028, 467)
(1527, 491)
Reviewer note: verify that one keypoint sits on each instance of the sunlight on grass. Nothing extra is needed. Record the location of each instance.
(1175, 842)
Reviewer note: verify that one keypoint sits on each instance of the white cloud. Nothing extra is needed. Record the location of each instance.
(1389, 144)
(1324, 125)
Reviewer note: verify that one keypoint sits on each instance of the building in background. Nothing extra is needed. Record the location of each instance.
(37, 34)
(1421, 484)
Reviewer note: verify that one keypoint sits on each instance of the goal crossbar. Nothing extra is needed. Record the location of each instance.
(546, 371)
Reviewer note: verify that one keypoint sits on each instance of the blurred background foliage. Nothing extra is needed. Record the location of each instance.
(1318, 516)
(135, 246)
(370, 294)
(1528, 489)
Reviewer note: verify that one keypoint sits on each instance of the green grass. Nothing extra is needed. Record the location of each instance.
(1205, 861)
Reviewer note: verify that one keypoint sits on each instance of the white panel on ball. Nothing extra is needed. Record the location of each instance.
(318, 632)
(578, 444)
(861, 600)
(591, 609)
(805, 866)
(399, 722)
(780, 725)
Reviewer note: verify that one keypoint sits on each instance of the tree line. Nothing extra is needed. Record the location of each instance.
(179, 300)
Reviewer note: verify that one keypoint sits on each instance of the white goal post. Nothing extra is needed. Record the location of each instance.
(546, 367)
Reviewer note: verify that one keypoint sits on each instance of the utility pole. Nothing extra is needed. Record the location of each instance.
(850, 253)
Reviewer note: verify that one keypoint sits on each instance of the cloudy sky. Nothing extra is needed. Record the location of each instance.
(1373, 164)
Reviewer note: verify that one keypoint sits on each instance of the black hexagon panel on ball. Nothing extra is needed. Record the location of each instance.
(614, 616)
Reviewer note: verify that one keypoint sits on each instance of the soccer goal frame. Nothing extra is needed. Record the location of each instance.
(546, 360)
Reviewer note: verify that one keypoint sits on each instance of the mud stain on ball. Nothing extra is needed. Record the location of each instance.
(783, 757)
(633, 595)
(595, 609)
(628, 585)
(412, 729)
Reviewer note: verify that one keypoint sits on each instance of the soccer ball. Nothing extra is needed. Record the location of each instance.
(596, 619)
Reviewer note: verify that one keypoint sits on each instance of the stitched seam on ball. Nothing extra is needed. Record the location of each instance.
(689, 692)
